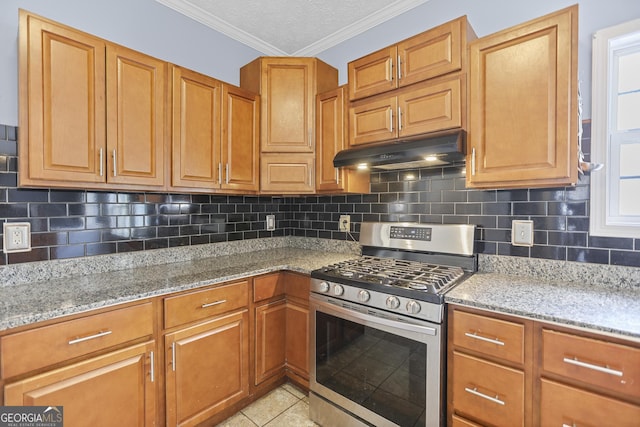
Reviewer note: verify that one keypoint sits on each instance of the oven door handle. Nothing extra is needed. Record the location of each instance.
(356, 315)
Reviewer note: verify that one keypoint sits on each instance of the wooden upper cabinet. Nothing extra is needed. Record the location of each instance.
(288, 87)
(91, 112)
(136, 87)
(240, 148)
(523, 119)
(436, 52)
(426, 107)
(196, 130)
(332, 135)
(62, 104)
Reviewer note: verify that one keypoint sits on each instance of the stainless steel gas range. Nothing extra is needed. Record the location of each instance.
(378, 332)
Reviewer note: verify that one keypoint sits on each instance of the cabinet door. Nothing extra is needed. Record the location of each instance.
(207, 368)
(62, 124)
(297, 347)
(433, 53)
(92, 392)
(288, 101)
(286, 173)
(330, 133)
(373, 74)
(431, 107)
(240, 139)
(373, 121)
(196, 130)
(523, 105)
(270, 339)
(136, 86)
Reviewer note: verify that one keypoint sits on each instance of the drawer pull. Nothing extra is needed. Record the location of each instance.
(173, 356)
(567, 425)
(604, 369)
(211, 304)
(481, 338)
(475, 392)
(90, 337)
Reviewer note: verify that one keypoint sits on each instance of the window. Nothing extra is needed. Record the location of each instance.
(615, 132)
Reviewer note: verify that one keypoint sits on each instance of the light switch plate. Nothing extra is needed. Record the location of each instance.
(522, 233)
(16, 237)
(271, 222)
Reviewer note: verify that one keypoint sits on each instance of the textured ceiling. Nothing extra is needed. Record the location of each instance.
(291, 27)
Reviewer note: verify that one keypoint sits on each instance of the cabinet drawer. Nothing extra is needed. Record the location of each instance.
(199, 305)
(603, 364)
(493, 337)
(461, 422)
(564, 405)
(267, 286)
(48, 345)
(488, 392)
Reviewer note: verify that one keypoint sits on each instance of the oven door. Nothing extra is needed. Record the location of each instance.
(384, 370)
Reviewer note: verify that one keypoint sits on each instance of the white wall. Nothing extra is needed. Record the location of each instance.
(152, 28)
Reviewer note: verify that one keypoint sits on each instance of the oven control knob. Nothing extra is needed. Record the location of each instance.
(323, 287)
(413, 307)
(338, 290)
(363, 296)
(393, 303)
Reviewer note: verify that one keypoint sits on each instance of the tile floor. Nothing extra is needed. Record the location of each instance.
(286, 406)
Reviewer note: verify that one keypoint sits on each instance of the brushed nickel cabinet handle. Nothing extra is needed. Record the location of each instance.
(115, 164)
(475, 336)
(399, 118)
(211, 304)
(151, 360)
(90, 337)
(226, 173)
(473, 161)
(398, 68)
(390, 69)
(475, 392)
(173, 356)
(604, 369)
(390, 120)
(101, 162)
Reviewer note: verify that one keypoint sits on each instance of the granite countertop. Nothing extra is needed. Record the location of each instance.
(597, 297)
(614, 310)
(26, 303)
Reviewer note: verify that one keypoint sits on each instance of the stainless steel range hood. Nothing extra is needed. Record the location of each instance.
(433, 150)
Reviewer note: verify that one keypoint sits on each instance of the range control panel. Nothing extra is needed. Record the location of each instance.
(410, 233)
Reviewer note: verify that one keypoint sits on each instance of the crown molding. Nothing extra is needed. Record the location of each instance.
(200, 15)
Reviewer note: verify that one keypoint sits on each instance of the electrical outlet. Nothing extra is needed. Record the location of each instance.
(344, 223)
(16, 237)
(271, 222)
(522, 233)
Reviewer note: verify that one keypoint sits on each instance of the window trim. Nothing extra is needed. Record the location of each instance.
(599, 224)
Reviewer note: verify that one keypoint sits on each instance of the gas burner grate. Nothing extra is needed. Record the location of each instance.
(413, 275)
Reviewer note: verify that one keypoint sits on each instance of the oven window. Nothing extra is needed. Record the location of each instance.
(383, 372)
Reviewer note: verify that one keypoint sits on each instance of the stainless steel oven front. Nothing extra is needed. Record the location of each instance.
(373, 367)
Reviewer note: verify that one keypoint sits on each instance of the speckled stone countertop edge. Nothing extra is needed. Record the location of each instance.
(29, 303)
(598, 309)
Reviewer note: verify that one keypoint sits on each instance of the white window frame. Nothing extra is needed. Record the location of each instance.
(604, 183)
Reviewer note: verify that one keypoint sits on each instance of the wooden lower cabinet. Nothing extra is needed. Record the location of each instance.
(506, 370)
(207, 368)
(297, 342)
(116, 388)
(270, 336)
